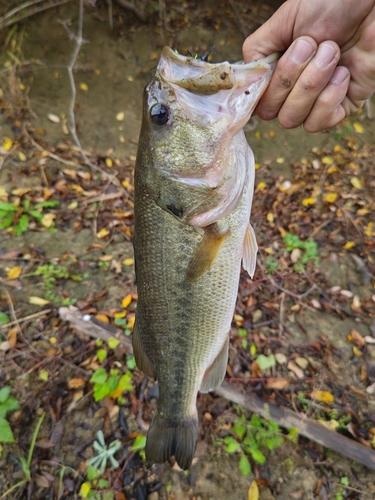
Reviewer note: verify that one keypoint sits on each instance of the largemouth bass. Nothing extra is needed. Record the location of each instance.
(194, 180)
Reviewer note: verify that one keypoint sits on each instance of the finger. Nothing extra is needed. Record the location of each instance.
(310, 84)
(287, 72)
(330, 106)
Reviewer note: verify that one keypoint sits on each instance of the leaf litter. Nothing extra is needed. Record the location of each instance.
(330, 200)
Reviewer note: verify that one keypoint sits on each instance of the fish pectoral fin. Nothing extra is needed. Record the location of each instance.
(249, 251)
(143, 361)
(206, 253)
(216, 372)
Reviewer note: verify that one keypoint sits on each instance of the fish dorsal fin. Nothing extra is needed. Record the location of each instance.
(216, 372)
(249, 252)
(206, 253)
(143, 361)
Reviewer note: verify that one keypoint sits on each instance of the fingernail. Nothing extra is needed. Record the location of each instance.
(302, 51)
(324, 56)
(341, 73)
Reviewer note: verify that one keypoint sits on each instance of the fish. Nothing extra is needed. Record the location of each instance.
(193, 189)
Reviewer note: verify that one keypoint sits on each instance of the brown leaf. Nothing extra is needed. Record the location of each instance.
(277, 383)
(12, 337)
(76, 383)
(357, 338)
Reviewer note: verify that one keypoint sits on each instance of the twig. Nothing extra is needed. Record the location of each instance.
(25, 318)
(316, 231)
(110, 14)
(79, 41)
(13, 312)
(282, 416)
(30, 13)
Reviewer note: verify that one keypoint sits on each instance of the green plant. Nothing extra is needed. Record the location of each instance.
(26, 463)
(50, 273)
(19, 217)
(344, 481)
(309, 250)
(104, 454)
(8, 403)
(251, 437)
(271, 263)
(4, 318)
(112, 384)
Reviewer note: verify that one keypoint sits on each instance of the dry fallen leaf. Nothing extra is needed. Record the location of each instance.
(38, 301)
(253, 493)
(14, 273)
(12, 337)
(76, 383)
(323, 396)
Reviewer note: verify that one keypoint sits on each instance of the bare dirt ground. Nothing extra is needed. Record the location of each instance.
(303, 336)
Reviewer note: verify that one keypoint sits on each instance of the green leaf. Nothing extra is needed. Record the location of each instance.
(232, 447)
(6, 434)
(139, 443)
(120, 321)
(92, 472)
(10, 404)
(47, 204)
(345, 481)
(103, 483)
(23, 224)
(4, 318)
(266, 362)
(6, 222)
(242, 332)
(99, 376)
(244, 465)
(239, 430)
(258, 456)
(7, 207)
(100, 391)
(125, 382)
(37, 215)
(130, 363)
(245, 344)
(4, 394)
(253, 349)
(102, 354)
(113, 342)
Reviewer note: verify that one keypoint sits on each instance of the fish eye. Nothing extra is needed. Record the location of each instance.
(159, 113)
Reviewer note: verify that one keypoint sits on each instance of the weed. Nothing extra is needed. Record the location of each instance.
(19, 217)
(50, 273)
(341, 493)
(4, 318)
(271, 263)
(104, 454)
(8, 403)
(26, 464)
(309, 251)
(251, 437)
(112, 384)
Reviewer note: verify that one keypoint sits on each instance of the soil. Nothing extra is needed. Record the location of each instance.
(112, 68)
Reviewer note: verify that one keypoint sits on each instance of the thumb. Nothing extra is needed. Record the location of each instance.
(275, 35)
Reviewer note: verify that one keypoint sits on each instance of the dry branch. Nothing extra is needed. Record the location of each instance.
(282, 416)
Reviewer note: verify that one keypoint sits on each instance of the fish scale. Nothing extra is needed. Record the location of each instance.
(187, 276)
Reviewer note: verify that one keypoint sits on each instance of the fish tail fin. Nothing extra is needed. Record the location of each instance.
(166, 438)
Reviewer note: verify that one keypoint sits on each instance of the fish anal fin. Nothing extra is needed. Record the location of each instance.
(216, 372)
(143, 361)
(167, 438)
(249, 252)
(206, 253)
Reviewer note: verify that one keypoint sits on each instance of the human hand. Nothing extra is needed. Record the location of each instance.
(328, 68)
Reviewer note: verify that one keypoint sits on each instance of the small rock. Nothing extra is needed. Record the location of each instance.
(295, 369)
(257, 315)
(316, 303)
(347, 293)
(302, 363)
(280, 358)
(371, 389)
(295, 255)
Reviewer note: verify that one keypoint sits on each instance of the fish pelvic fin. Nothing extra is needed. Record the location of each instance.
(249, 252)
(206, 253)
(166, 438)
(216, 372)
(143, 361)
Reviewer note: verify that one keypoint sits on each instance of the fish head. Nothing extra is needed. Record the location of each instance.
(192, 109)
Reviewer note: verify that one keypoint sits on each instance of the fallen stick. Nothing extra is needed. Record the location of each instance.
(282, 416)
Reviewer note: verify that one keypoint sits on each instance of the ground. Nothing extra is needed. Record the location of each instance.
(304, 331)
